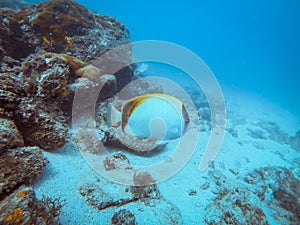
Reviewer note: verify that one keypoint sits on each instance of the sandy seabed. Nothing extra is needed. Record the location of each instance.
(185, 197)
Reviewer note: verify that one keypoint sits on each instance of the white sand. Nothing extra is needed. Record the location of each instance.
(67, 170)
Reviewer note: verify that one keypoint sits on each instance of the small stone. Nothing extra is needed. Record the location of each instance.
(145, 188)
(257, 134)
(233, 132)
(205, 186)
(116, 161)
(96, 197)
(192, 192)
(216, 174)
(234, 171)
(123, 217)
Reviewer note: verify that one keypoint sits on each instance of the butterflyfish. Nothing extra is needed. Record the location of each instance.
(156, 115)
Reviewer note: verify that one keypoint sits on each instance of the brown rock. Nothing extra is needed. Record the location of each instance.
(123, 217)
(19, 166)
(43, 123)
(10, 136)
(235, 206)
(22, 208)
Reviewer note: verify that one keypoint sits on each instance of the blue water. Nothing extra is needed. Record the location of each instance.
(254, 45)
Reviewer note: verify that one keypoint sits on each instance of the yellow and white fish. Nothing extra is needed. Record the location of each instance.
(157, 116)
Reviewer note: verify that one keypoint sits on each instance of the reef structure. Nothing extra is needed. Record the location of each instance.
(45, 50)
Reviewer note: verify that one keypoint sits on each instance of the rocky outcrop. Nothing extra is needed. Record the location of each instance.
(19, 166)
(10, 136)
(59, 26)
(279, 189)
(236, 206)
(21, 207)
(265, 195)
(38, 87)
(46, 52)
(33, 99)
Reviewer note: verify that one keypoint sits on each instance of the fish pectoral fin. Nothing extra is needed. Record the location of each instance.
(114, 117)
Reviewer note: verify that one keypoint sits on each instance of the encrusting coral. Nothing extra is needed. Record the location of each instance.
(59, 26)
(123, 217)
(45, 51)
(81, 68)
(21, 207)
(36, 90)
(58, 20)
(10, 136)
(19, 166)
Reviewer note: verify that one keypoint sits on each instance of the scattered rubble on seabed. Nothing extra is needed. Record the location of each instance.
(49, 49)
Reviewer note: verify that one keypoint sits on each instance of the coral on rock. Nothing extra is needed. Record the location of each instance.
(38, 86)
(123, 217)
(99, 198)
(61, 26)
(265, 196)
(236, 206)
(47, 51)
(34, 95)
(56, 21)
(19, 166)
(116, 161)
(22, 208)
(13, 42)
(280, 189)
(10, 136)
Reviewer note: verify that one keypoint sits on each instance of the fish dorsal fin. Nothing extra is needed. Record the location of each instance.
(129, 108)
